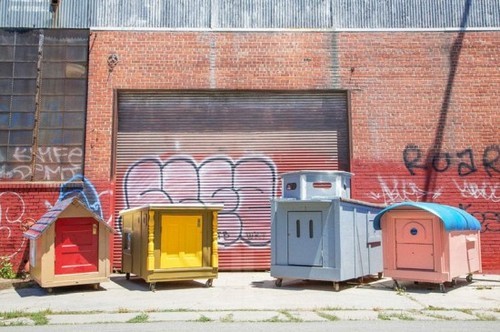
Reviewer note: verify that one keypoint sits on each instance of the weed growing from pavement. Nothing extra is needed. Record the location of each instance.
(290, 317)
(433, 308)
(324, 315)
(274, 319)
(6, 268)
(203, 319)
(401, 291)
(467, 311)
(141, 318)
(38, 318)
(331, 308)
(175, 310)
(485, 317)
(389, 316)
(437, 316)
(383, 316)
(403, 316)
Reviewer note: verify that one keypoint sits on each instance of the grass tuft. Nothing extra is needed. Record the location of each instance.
(325, 315)
(141, 318)
(204, 319)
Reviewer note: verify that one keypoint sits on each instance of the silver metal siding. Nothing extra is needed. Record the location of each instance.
(253, 14)
(151, 13)
(22, 13)
(407, 14)
(226, 147)
(37, 14)
(283, 14)
(74, 14)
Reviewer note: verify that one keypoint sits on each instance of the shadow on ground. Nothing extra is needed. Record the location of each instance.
(138, 284)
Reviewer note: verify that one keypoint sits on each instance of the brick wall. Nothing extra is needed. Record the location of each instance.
(425, 121)
(20, 206)
(424, 107)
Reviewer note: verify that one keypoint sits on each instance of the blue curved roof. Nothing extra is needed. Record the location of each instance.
(454, 219)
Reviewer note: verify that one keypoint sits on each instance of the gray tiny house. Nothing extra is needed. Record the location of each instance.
(323, 236)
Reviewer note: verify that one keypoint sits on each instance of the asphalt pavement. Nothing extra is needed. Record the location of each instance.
(249, 297)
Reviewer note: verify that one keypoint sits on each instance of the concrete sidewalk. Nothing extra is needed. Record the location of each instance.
(249, 297)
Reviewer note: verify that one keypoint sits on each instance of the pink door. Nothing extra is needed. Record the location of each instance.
(414, 243)
(76, 245)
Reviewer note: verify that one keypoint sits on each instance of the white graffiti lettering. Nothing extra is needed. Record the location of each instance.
(12, 210)
(244, 186)
(485, 191)
(401, 190)
(52, 163)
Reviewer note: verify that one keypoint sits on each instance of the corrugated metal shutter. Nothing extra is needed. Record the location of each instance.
(226, 147)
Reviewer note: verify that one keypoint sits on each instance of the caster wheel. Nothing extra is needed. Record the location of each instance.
(442, 288)
(209, 283)
(278, 282)
(127, 276)
(152, 287)
(336, 286)
(96, 286)
(469, 278)
(380, 275)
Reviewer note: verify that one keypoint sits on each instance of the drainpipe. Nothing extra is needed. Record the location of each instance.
(54, 9)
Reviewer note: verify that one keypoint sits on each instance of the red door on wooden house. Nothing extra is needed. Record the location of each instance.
(76, 245)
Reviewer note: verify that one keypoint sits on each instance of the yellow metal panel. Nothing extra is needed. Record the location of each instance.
(215, 251)
(181, 240)
(151, 242)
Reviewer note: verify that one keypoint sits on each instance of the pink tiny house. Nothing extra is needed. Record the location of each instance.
(428, 242)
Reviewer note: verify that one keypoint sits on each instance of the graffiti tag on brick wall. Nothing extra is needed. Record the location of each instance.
(85, 192)
(52, 163)
(394, 190)
(244, 186)
(12, 219)
(486, 191)
(15, 216)
(490, 220)
(462, 161)
(465, 163)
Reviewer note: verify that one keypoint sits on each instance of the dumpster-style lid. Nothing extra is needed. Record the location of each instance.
(312, 172)
(176, 206)
(53, 214)
(454, 219)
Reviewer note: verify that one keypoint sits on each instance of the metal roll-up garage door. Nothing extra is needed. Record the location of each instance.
(225, 147)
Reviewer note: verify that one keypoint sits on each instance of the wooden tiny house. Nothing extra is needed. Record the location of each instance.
(429, 242)
(165, 242)
(69, 245)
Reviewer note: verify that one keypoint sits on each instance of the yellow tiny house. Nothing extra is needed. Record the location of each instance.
(170, 242)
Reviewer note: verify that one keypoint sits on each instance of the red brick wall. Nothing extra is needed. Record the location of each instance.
(20, 206)
(424, 110)
(425, 121)
(409, 99)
